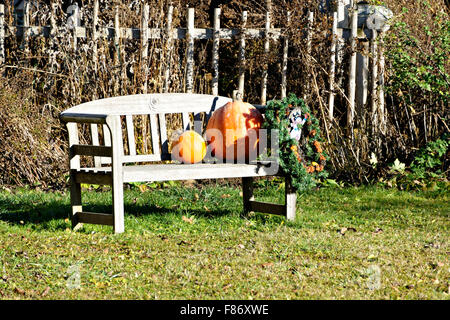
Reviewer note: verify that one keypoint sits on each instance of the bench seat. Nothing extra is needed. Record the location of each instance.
(164, 172)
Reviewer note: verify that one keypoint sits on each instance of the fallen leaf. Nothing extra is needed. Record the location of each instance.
(19, 291)
(143, 187)
(225, 196)
(378, 230)
(267, 265)
(196, 196)
(206, 208)
(188, 220)
(45, 292)
(241, 246)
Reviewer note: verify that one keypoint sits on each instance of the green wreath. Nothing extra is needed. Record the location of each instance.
(304, 159)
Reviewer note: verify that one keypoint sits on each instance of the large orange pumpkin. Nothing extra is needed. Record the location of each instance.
(228, 131)
(190, 147)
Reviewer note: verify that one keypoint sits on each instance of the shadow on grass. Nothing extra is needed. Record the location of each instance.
(42, 214)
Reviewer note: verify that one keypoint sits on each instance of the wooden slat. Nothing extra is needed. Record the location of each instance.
(107, 141)
(88, 150)
(137, 104)
(102, 178)
(153, 33)
(186, 121)
(95, 218)
(155, 134)
(72, 129)
(95, 142)
(141, 158)
(130, 135)
(267, 207)
(215, 52)
(163, 133)
(164, 172)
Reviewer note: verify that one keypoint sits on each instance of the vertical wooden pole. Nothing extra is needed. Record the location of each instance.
(117, 36)
(266, 57)
(2, 34)
(51, 42)
(342, 19)
(374, 78)
(309, 50)
(362, 75)
(242, 62)
(215, 52)
(285, 58)
(144, 45)
(168, 48)
(190, 51)
(352, 69)
(25, 28)
(145, 65)
(381, 85)
(95, 36)
(332, 69)
(76, 14)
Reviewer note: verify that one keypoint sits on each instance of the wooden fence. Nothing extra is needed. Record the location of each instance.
(365, 73)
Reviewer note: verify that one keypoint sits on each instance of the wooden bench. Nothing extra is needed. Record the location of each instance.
(112, 133)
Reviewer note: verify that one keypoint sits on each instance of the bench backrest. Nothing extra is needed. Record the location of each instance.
(150, 112)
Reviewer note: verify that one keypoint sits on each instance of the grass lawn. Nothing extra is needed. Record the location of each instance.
(193, 243)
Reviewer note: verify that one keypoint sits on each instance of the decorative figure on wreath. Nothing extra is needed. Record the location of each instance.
(301, 155)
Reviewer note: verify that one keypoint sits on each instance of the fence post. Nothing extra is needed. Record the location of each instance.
(144, 45)
(215, 53)
(308, 50)
(285, 57)
(266, 57)
(2, 34)
(95, 36)
(168, 48)
(190, 51)
(352, 69)
(374, 76)
(332, 68)
(25, 27)
(242, 63)
(381, 85)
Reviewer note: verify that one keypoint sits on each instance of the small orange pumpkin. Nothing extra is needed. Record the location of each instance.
(229, 127)
(190, 147)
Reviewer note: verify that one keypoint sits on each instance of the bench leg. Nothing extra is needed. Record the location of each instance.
(247, 193)
(291, 199)
(75, 201)
(115, 129)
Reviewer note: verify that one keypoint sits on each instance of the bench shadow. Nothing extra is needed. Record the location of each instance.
(17, 212)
